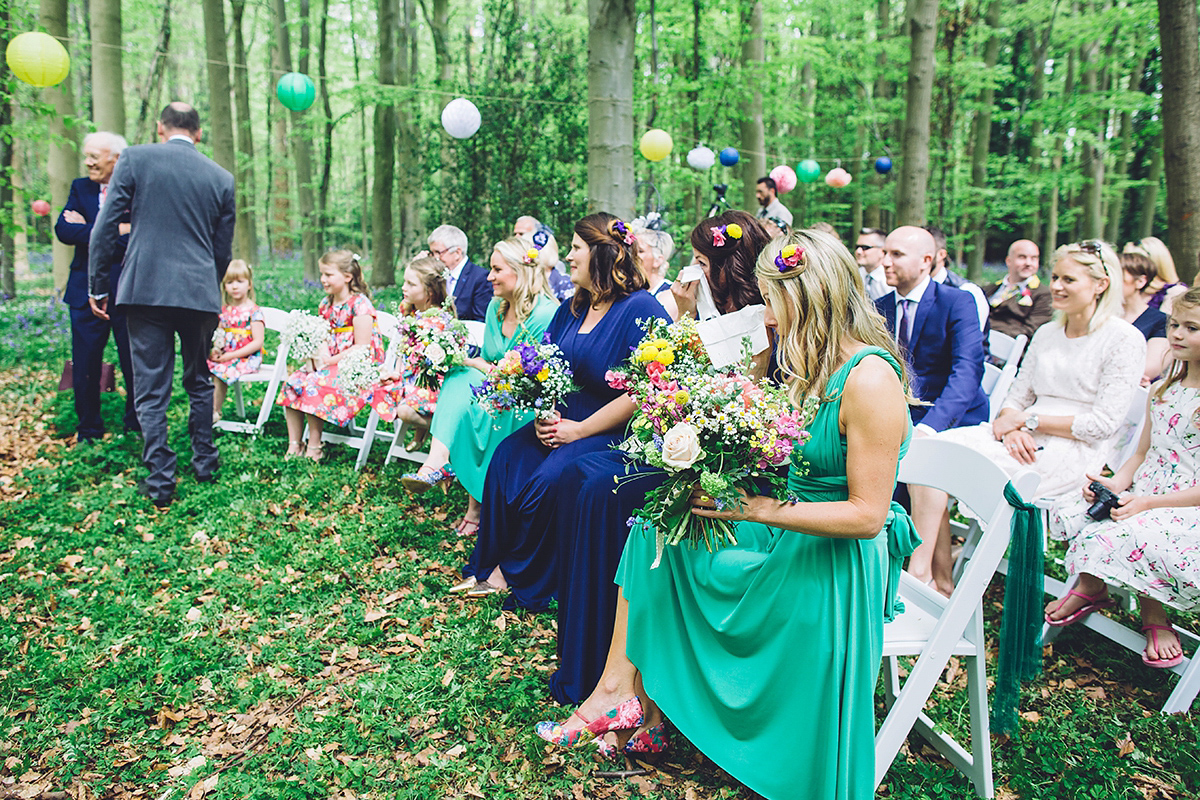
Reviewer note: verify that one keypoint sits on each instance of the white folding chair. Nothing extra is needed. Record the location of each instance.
(362, 438)
(996, 380)
(272, 374)
(400, 429)
(1131, 429)
(933, 628)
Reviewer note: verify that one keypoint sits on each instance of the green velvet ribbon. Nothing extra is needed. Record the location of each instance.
(1020, 632)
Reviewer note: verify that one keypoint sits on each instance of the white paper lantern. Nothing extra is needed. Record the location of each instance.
(461, 118)
(701, 158)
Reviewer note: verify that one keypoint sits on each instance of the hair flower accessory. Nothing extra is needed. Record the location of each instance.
(623, 232)
(720, 232)
(789, 258)
(531, 256)
(541, 237)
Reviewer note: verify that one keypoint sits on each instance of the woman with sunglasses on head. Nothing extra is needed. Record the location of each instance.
(1068, 401)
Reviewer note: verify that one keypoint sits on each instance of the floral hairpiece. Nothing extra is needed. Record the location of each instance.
(732, 230)
(623, 231)
(531, 257)
(789, 258)
(356, 256)
(540, 238)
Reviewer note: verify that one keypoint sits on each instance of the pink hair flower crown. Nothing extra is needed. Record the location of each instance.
(789, 258)
(623, 232)
(530, 258)
(722, 233)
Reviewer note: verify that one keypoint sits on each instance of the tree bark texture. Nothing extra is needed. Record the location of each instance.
(63, 162)
(220, 122)
(1112, 230)
(383, 253)
(1150, 193)
(144, 132)
(914, 159)
(610, 106)
(8, 247)
(302, 150)
(1091, 160)
(979, 155)
(753, 136)
(1179, 33)
(245, 243)
(108, 81)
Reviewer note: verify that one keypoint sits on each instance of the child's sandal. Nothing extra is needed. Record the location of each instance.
(314, 453)
(294, 449)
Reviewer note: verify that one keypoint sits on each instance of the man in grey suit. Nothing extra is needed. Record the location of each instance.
(181, 208)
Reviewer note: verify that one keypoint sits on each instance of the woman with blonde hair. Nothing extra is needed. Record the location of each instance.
(464, 435)
(1068, 401)
(711, 640)
(654, 250)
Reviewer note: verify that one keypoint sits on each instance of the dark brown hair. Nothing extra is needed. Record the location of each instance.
(614, 266)
(1140, 266)
(731, 266)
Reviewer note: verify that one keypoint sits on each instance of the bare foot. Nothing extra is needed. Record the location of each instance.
(1162, 644)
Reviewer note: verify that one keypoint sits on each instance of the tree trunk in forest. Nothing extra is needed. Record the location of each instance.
(1091, 161)
(1179, 31)
(408, 142)
(108, 81)
(437, 16)
(364, 176)
(694, 102)
(302, 148)
(977, 226)
(610, 106)
(1039, 47)
(753, 136)
(8, 247)
(63, 162)
(144, 132)
(1150, 194)
(220, 123)
(383, 254)
(808, 102)
(327, 132)
(873, 214)
(245, 243)
(280, 223)
(914, 159)
(1112, 230)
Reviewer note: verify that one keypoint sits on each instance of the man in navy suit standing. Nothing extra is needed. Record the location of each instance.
(182, 209)
(937, 327)
(89, 331)
(466, 282)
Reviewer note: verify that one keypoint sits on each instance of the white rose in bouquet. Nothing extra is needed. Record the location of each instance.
(681, 446)
(436, 354)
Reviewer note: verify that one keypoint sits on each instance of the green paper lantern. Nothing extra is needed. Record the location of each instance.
(296, 91)
(808, 171)
(38, 59)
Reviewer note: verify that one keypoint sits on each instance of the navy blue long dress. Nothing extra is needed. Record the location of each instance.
(521, 492)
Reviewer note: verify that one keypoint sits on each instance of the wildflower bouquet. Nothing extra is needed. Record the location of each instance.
(435, 342)
(357, 372)
(304, 334)
(719, 432)
(527, 378)
(218, 340)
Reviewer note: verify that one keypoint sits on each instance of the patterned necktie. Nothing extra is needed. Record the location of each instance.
(1009, 291)
(904, 323)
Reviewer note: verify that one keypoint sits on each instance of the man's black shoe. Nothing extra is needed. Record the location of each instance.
(209, 478)
(160, 502)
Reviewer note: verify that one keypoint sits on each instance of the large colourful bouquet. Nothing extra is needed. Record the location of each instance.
(435, 342)
(527, 378)
(304, 334)
(719, 432)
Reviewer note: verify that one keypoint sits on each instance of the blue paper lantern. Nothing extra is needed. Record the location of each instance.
(729, 156)
(883, 165)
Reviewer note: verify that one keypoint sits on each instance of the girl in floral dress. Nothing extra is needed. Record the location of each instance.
(398, 395)
(243, 330)
(311, 394)
(1151, 544)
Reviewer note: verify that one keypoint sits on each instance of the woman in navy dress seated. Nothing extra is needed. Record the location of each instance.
(605, 488)
(517, 547)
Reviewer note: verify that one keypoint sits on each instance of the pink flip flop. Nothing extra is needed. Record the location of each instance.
(1093, 603)
(1161, 663)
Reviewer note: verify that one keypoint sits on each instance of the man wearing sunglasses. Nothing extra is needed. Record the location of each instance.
(868, 252)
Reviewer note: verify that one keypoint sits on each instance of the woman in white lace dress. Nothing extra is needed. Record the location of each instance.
(1069, 399)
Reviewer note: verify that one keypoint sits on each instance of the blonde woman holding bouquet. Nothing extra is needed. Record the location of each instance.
(765, 654)
(464, 434)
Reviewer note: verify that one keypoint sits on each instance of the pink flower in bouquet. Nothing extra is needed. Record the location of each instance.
(616, 380)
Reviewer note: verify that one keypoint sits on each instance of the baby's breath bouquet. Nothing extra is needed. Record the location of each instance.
(719, 432)
(304, 334)
(357, 372)
(435, 342)
(527, 378)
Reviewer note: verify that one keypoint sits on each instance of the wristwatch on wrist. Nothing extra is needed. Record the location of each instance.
(1031, 423)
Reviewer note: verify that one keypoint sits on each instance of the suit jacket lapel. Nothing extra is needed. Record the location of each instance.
(889, 311)
(924, 309)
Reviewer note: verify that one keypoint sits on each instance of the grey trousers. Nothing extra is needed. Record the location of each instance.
(152, 331)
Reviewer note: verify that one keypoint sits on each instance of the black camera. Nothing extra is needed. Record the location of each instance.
(1105, 502)
(721, 189)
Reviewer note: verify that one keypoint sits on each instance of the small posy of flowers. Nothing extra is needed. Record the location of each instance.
(435, 342)
(218, 339)
(304, 333)
(527, 378)
(723, 233)
(716, 431)
(357, 371)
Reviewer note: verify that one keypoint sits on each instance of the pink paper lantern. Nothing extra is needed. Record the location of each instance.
(838, 178)
(41, 208)
(784, 177)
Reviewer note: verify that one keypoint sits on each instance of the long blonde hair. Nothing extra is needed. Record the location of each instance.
(818, 306)
(1156, 250)
(1178, 370)
(428, 271)
(531, 278)
(1109, 303)
(237, 269)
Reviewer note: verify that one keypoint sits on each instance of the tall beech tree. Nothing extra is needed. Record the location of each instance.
(1179, 33)
(610, 177)
(914, 163)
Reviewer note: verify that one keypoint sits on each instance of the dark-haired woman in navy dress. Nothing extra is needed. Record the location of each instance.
(517, 544)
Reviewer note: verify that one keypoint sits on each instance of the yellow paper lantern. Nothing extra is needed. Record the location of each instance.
(38, 59)
(656, 144)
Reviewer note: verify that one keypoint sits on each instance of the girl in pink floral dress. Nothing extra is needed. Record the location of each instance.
(243, 330)
(311, 394)
(1151, 543)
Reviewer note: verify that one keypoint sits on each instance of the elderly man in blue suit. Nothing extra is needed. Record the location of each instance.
(937, 327)
(90, 331)
(466, 282)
